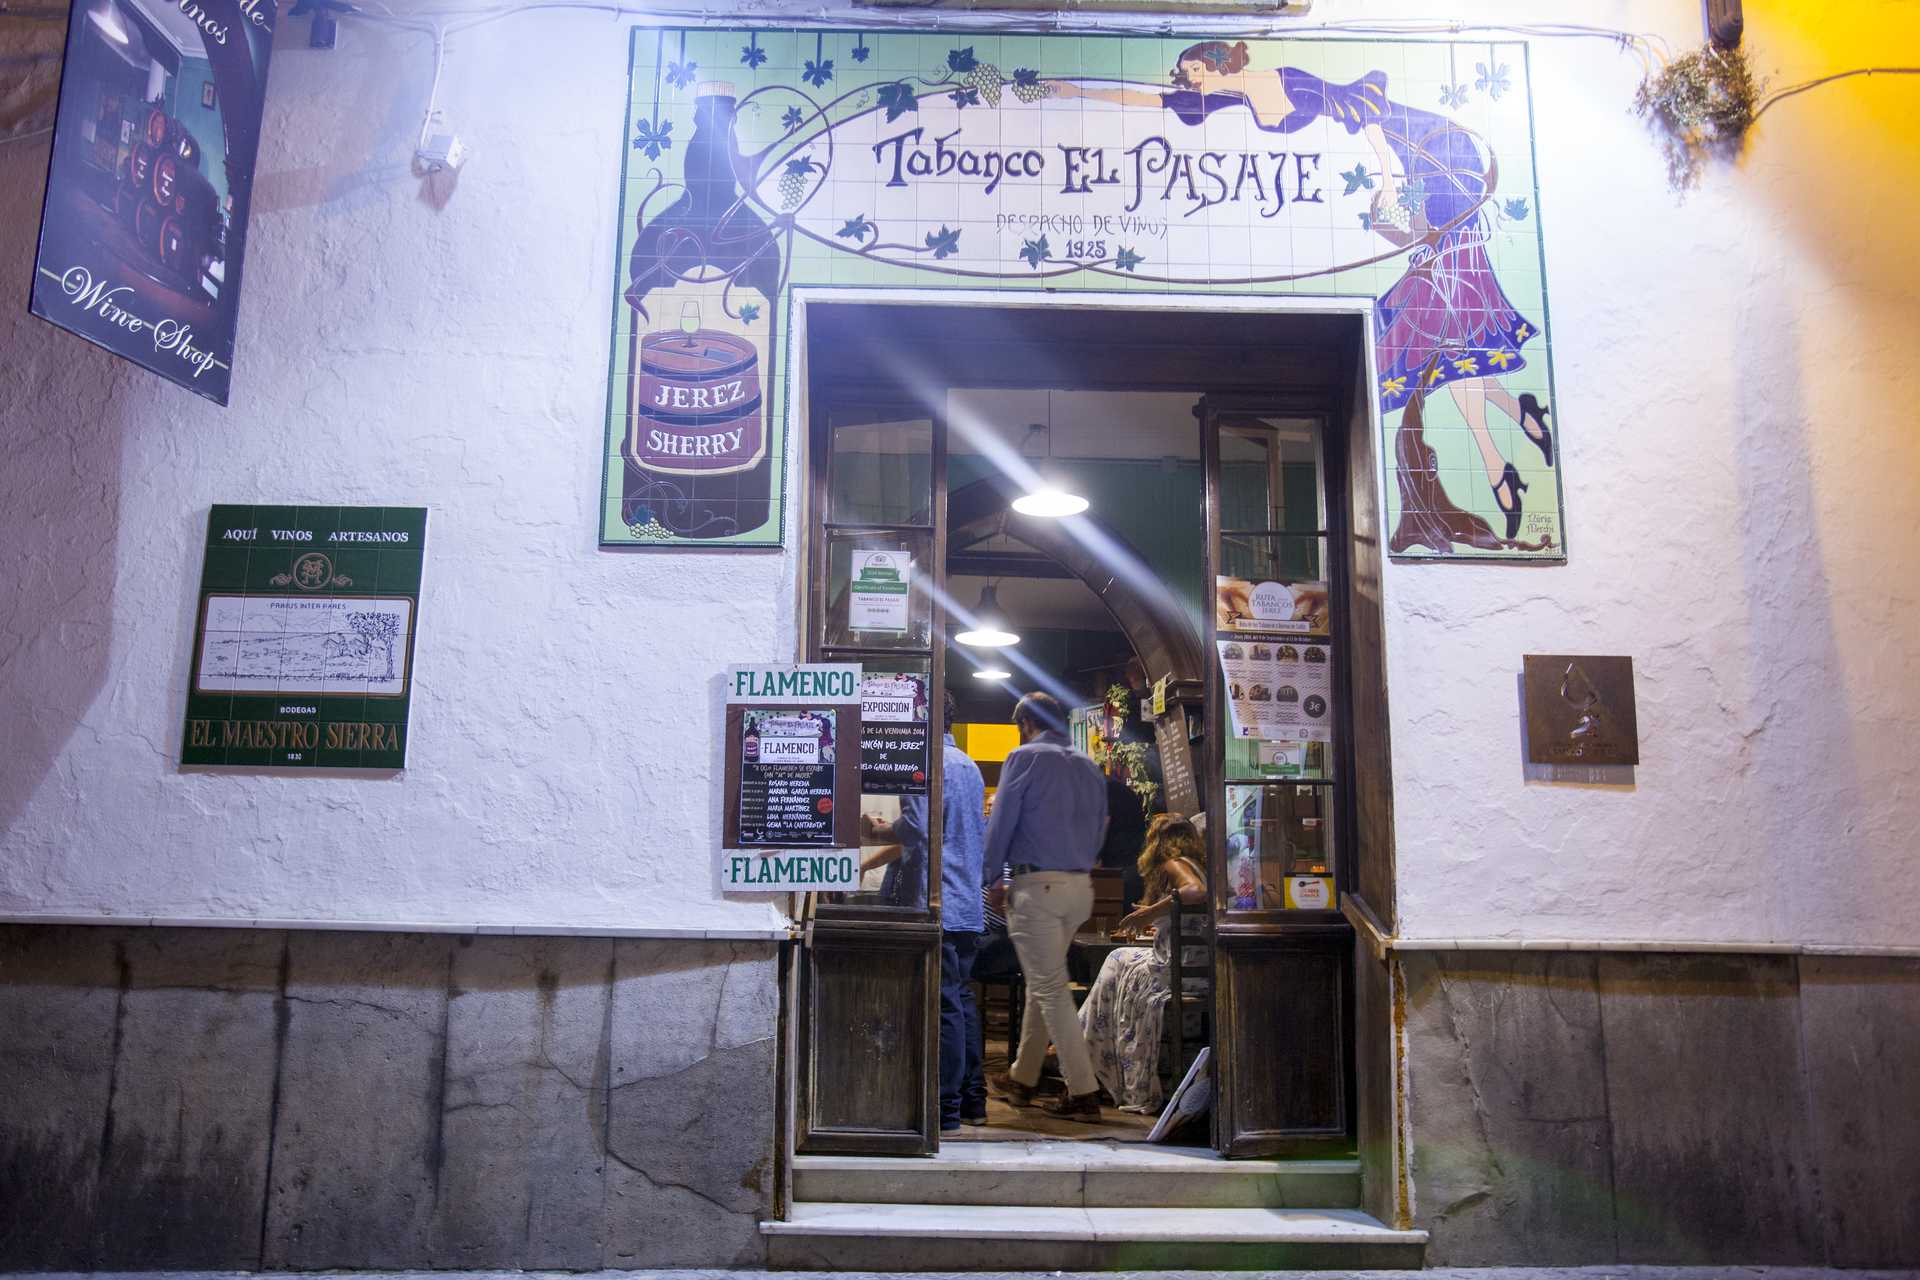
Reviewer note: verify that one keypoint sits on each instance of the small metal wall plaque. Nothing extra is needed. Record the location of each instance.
(1580, 710)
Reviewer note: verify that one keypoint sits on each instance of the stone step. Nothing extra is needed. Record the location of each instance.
(1077, 1174)
(950, 1237)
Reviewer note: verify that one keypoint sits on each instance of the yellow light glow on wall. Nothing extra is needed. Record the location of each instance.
(986, 742)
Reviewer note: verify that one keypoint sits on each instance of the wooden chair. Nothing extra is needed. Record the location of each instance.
(1189, 1016)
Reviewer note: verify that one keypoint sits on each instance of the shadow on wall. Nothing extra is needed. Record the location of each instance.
(1799, 719)
(66, 404)
(1828, 383)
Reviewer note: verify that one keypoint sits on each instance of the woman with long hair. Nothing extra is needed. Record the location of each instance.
(1127, 1002)
(1446, 322)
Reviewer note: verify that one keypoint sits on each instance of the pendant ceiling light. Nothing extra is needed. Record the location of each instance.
(992, 673)
(989, 630)
(1050, 495)
(107, 19)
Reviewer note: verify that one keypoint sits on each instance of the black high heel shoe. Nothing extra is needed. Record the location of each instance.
(1531, 408)
(1510, 480)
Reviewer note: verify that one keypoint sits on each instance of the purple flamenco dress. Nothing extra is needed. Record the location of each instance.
(1449, 302)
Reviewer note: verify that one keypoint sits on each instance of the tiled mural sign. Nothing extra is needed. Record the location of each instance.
(303, 654)
(1395, 170)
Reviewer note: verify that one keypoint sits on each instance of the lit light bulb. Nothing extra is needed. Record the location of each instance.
(1051, 503)
(108, 20)
(989, 630)
(992, 673)
(987, 638)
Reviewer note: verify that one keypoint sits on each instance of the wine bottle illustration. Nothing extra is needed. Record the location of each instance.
(704, 280)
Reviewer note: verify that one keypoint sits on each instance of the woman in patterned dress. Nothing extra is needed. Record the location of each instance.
(1446, 322)
(1124, 1008)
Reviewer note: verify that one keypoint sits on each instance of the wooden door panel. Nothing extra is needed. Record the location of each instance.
(870, 1080)
(1283, 1088)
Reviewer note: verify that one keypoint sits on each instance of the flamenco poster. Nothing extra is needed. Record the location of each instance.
(1400, 171)
(144, 225)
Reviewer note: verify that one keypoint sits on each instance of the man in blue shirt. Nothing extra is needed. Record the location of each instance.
(1049, 819)
(963, 821)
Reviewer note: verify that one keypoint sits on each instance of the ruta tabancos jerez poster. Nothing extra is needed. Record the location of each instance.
(145, 221)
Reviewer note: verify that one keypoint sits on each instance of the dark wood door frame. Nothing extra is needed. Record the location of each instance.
(1283, 999)
(1260, 964)
(869, 977)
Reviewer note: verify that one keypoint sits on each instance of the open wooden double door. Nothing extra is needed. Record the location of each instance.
(1288, 495)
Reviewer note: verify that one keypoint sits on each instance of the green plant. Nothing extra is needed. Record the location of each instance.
(1701, 105)
(1130, 758)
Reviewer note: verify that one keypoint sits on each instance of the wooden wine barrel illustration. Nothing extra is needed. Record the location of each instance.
(146, 224)
(159, 125)
(140, 165)
(179, 245)
(127, 199)
(167, 177)
(695, 407)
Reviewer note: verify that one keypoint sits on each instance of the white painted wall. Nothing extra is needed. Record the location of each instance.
(1735, 379)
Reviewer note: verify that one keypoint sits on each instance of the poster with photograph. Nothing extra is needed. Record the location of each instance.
(893, 733)
(1272, 608)
(145, 222)
(1279, 690)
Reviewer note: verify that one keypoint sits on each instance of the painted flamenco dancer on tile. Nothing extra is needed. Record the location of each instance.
(1446, 322)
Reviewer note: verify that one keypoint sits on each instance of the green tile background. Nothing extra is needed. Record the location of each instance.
(1416, 71)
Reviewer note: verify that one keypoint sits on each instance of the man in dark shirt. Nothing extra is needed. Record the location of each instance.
(1049, 817)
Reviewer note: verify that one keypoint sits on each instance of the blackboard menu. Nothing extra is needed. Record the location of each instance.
(1176, 762)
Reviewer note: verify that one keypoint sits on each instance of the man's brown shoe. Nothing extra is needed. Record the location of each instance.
(1003, 1083)
(1079, 1106)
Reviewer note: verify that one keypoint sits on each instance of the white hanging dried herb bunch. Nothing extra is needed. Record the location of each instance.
(1700, 105)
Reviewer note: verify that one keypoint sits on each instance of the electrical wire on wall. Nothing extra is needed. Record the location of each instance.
(1652, 50)
(1779, 95)
(441, 22)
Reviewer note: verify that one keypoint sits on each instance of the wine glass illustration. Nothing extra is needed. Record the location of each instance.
(1586, 701)
(690, 320)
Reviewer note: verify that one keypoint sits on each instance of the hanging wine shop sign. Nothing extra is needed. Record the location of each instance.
(1396, 171)
(145, 221)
